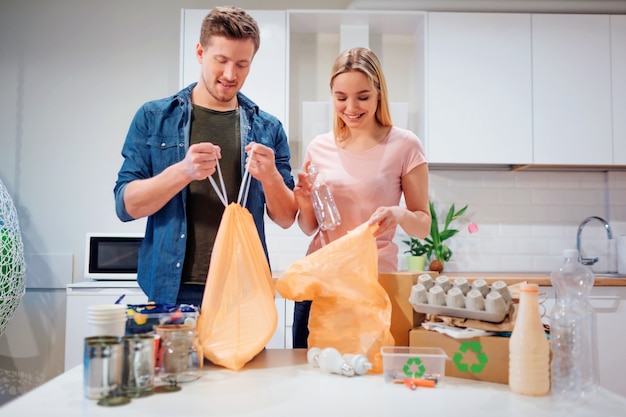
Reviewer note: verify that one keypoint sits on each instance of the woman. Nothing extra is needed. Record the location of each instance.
(368, 163)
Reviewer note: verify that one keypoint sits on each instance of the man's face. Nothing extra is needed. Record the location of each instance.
(225, 65)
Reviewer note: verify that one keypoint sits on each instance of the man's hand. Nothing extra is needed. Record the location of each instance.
(201, 160)
(262, 165)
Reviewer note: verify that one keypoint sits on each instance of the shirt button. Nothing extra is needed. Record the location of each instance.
(177, 264)
(180, 145)
(182, 236)
(163, 145)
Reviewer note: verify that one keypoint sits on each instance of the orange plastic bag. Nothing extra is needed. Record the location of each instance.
(350, 311)
(238, 315)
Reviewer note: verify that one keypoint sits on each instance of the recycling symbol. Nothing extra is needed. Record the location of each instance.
(459, 356)
(413, 368)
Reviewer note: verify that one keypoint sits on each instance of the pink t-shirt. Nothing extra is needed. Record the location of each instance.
(363, 181)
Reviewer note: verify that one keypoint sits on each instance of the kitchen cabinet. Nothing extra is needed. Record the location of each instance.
(609, 304)
(316, 37)
(571, 67)
(80, 296)
(478, 88)
(618, 78)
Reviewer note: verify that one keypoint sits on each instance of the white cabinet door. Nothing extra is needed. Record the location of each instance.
(266, 84)
(571, 89)
(609, 304)
(618, 77)
(78, 302)
(478, 93)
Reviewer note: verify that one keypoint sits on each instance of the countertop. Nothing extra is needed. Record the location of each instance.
(280, 383)
(540, 278)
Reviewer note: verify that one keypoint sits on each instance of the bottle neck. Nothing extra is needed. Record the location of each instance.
(529, 307)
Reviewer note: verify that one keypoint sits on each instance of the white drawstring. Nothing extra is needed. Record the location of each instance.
(222, 195)
(246, 178)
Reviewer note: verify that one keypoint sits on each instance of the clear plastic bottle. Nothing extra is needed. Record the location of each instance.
(326, 211)
(529, 349)
(572, 329)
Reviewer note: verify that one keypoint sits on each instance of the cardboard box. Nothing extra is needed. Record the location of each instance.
(403, 316)
(484, 358)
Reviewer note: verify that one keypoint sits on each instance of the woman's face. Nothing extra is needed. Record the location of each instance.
(355, 99)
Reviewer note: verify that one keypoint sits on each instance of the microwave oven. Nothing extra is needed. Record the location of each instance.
(112, 256)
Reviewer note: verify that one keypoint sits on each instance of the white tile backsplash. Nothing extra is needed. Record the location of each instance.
(525, 220)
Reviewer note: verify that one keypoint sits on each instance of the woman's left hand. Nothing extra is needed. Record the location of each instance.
(387, 218)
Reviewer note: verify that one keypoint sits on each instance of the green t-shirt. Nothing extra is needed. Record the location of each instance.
(204, 208)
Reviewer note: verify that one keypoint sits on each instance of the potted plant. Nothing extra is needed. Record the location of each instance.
(417, 251)
(433, 245)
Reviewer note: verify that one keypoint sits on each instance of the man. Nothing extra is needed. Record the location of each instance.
(174, 144)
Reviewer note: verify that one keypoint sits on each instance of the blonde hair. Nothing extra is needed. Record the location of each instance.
(232, 23)
(365, 61)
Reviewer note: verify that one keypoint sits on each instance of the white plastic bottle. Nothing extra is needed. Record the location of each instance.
(326, 211)
(572, 328)
(529, 349)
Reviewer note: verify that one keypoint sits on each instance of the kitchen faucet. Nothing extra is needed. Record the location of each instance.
(609, 233)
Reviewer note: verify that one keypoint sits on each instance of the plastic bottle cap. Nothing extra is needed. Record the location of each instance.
(570, 253)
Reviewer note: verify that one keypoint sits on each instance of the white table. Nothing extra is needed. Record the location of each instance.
(280, 383)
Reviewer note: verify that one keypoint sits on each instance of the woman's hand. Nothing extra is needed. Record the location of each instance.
(302, 190)
(387, 218)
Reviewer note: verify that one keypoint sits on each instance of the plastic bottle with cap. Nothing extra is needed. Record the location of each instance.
(529, 349)
(572, 327)
(326, 211)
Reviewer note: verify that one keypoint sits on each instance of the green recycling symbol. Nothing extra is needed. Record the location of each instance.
(414, 368)
(475, 368)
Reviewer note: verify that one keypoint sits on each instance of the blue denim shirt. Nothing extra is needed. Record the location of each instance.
(159, 137)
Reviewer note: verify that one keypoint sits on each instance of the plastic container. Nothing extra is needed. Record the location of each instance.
(143, 318)
(572, 328)
(402, 362)
(529, 349)
(326, 211)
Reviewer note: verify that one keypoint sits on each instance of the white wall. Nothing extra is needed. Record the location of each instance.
(72, 75)
(525, 220)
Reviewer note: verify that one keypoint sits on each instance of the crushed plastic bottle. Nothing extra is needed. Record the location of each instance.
(326, 211)
(572, 327)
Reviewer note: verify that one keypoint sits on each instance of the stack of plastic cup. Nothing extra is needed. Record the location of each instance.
(107, 320)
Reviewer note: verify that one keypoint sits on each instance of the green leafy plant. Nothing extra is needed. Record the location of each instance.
(432, 245)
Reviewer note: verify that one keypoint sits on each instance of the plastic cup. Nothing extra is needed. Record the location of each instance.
(106, 320)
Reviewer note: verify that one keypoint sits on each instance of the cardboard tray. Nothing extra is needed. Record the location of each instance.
(462, 312)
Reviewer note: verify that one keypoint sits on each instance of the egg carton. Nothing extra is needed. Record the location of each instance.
(458, 298)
